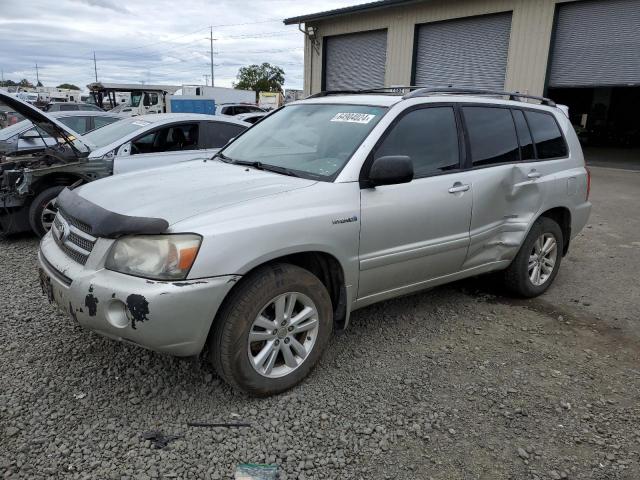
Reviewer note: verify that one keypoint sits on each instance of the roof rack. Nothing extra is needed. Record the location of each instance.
(515, 96)
(390, 90)
(414, 91)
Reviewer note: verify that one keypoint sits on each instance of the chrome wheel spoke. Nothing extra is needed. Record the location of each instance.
(280, 305)
(299, 348)
(306, 313)
(548, 246)
(267, 357)
(264, 322)
(291, 300)
(256, 336)
(289, 358)
(308, 325)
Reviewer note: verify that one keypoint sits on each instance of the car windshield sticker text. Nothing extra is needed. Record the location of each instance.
(353, 117)
(140, 123)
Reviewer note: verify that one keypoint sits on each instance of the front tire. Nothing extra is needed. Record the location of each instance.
(537, 263)
(272, 329)
(43, 210)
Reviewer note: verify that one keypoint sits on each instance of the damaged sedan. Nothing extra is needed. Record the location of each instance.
(326, 206)
(31, 179)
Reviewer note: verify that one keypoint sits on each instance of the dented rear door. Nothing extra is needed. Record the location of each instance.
(509, 185)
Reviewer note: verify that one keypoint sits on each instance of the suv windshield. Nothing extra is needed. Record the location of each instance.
(312, 139)
(117, 130)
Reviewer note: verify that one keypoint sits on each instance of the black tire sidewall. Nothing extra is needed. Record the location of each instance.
(229, 346)
(37, 206)
(523, 284)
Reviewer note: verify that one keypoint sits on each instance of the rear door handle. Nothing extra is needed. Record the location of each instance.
(459, 187)
(534, 174)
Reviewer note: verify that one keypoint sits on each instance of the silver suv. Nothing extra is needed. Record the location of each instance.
(328, 205)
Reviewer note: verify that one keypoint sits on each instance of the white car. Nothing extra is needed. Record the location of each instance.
(149, 141)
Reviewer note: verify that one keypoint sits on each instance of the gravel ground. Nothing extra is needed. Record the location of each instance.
(456, 383)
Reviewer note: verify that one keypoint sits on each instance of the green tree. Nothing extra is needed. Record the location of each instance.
(260, 78)
(68, 86)
(8, 83)
(25, 83)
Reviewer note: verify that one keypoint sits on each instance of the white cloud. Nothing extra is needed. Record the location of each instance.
(151, 41)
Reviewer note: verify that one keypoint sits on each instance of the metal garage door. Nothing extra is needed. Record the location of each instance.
(469, 52)
(355, 61)
(596, 44)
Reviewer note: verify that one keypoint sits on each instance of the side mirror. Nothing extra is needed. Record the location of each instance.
(124, 150)
(391, 170)
(30, 134)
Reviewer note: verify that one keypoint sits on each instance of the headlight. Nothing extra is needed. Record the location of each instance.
(160, 257)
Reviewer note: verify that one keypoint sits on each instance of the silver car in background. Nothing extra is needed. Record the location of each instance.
(327, 205)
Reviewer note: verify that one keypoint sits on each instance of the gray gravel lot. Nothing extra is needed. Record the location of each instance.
(456, 383)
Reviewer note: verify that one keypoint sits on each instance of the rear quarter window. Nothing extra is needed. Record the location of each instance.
(547, 136)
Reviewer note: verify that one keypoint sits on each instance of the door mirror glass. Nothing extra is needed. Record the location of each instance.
(124, 150)
(391, 170)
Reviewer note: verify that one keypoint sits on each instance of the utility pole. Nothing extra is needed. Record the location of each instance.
(211, 52)
(37, 76)
(206, 79)
(95, 67)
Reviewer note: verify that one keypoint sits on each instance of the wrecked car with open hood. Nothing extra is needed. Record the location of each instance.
(30, 180)
(325, 206)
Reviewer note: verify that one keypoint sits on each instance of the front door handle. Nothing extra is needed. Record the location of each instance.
(534, 174)
(459, 187)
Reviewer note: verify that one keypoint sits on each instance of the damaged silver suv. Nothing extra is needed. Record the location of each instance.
(327, 205)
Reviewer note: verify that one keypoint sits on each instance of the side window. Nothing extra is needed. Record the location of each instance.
(546, 135)
(219, 133)
(68, 108)
(168, 139)
(99, 122)
(77, 124)
(429, 136)
(153, 98)
(492, 135)
(524, 135)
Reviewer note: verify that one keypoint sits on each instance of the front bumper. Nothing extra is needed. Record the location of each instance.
(171, 317)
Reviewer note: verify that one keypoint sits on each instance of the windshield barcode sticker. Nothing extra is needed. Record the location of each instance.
(353, 117)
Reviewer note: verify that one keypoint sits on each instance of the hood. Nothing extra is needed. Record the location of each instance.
(46, 122)
(185, 190)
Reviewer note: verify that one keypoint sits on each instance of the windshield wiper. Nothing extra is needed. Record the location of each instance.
(222, 157)
(267, 167)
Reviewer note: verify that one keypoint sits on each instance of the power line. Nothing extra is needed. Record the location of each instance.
(170, 40)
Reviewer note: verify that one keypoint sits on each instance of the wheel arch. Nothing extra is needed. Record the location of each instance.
(562, 216)
(56, 179)
(323, 265)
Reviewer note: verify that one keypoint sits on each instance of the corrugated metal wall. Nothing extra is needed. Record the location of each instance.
(587, 52)
(466, 52)
(531, 29)
(355, 61)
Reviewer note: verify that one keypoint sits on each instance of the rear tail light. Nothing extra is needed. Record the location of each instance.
(588, 182)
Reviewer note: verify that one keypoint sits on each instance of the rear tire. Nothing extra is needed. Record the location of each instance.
(272, 329)
(43, 210)
(537, 263)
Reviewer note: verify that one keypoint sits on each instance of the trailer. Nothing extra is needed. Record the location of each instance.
(144, 99)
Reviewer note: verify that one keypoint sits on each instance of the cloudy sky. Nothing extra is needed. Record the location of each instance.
(151, 41)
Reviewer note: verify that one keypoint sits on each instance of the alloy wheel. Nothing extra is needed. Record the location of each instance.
(542, 259)
(48, 214)
(283, 335)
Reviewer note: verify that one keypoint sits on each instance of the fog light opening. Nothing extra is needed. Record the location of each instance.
(117, 314)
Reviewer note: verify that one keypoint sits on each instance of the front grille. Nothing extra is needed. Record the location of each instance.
(73, 237)
(75, 222)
